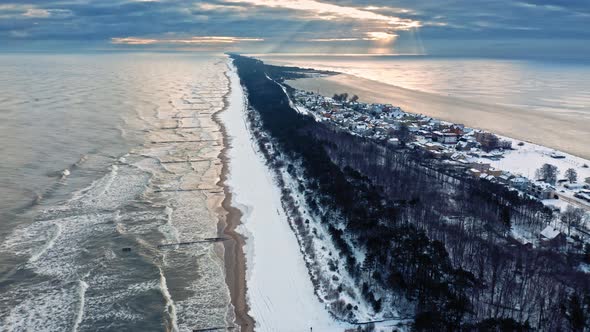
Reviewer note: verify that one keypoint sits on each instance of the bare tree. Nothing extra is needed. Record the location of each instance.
(404, 133)
(571, 175)
(547, 173)
(575, 313)
(572, 217)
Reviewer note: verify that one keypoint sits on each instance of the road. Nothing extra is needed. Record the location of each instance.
(575, 202)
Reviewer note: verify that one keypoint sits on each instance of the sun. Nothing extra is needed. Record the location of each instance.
(383, 37)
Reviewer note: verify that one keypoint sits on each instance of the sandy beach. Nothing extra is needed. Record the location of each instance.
(229, 220)
(234, 257)
(562, 131)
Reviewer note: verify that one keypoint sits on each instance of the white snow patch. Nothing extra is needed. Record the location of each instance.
(526, 159)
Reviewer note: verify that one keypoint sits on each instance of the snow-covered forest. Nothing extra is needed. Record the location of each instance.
(391, 234)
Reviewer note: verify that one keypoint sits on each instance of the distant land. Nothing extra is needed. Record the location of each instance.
(563, 130)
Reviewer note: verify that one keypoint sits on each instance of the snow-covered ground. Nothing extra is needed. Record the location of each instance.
(329, 270)
(280, 292)
(526, 159)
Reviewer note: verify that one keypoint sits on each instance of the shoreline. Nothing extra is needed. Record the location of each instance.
(280, 293)
(546, 129)
(229, 219)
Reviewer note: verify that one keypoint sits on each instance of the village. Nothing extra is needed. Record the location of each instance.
(529, 169)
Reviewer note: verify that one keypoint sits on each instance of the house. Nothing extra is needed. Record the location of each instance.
(474, 172)
(553, 237)
(494, 172)
(393, 141)
(575, 186)
(425, 133)
(525, 242)
(556, 155)
(458, 129)
(465, 145)
(583, 196)
(488, 177)
(521, 183)
(376, 109)
(482, 167)
(413, 128)
(542, 190)
(505, 178)
(549, 233)
(445, 137)
(433, 147)
(381, 130)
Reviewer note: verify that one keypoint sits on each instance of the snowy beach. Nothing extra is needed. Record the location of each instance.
(280, 294)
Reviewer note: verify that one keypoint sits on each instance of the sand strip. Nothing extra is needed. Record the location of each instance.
(229, 220)
(563, 131)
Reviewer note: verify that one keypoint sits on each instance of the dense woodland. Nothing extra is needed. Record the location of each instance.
(437, 238)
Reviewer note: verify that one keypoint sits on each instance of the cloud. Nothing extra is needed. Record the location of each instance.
(381, 36)
(350, 26)
(36, 12)
(369, 36)
(205, 6)
(328, 11)
(328, 40)
(29, 11)
(46, 13)
(183, 41)
(386, 9)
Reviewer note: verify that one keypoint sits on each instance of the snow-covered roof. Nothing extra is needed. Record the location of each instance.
(543, 185)
(549, 232)
(575, 185)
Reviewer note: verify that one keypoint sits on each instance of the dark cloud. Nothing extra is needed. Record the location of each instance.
(447, 26)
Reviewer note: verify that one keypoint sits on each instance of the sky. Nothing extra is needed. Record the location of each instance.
(497, 28)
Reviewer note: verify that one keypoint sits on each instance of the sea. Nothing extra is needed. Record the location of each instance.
(108, 161)
(544, 85)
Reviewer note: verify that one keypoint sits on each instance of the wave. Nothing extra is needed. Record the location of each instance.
(170, 307)
(75, 274)
(82, 294)
(50, 242)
